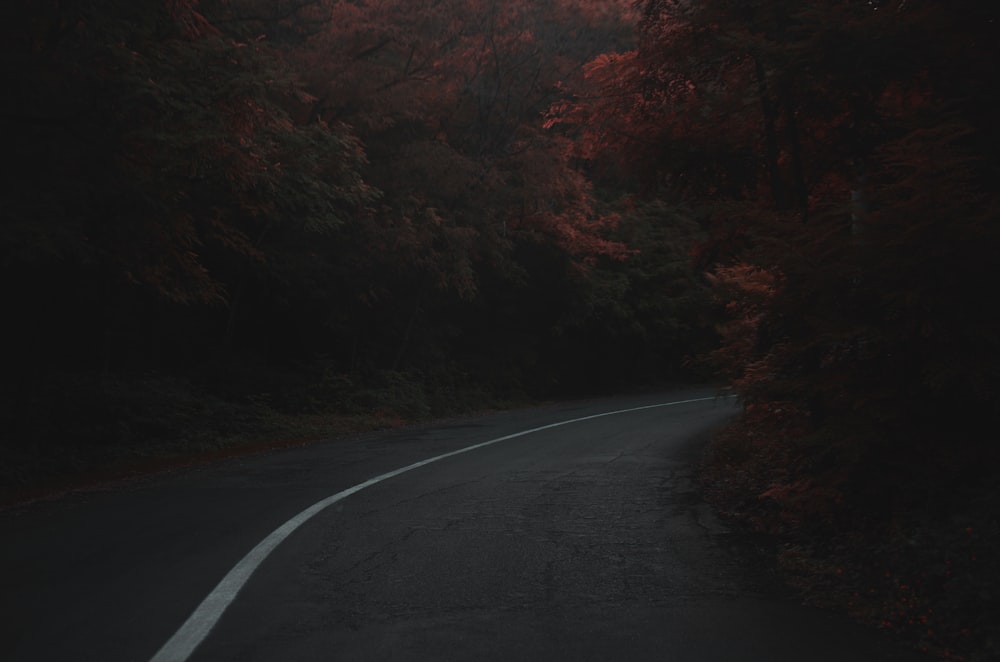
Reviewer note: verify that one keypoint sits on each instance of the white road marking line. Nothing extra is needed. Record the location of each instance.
(180, 646)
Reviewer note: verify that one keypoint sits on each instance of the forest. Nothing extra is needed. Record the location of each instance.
(226, 222)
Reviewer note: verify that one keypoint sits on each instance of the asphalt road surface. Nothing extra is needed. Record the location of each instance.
(572, 536)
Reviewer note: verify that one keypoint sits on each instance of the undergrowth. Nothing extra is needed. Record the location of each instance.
(70, 429)
(907, 542)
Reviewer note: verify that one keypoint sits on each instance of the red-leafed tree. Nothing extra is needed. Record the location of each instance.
(447, 98)
(842, 158)
(774, 119)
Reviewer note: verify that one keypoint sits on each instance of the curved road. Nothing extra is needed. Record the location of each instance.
(569, 532)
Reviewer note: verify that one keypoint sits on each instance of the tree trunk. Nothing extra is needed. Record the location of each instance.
(799, 192)
(778, 191)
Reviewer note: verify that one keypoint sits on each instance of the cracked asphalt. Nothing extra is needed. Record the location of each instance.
(581, 542)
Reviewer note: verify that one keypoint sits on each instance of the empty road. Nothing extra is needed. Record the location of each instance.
(565, 532)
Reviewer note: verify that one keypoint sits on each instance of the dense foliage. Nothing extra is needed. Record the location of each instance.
(845, 160)
(313, 206)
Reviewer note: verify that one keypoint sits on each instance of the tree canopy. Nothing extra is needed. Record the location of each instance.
(840, 155)
(210, 183)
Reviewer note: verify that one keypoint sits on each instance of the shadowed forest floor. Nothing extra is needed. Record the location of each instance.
(90, 429)
(916, 554)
